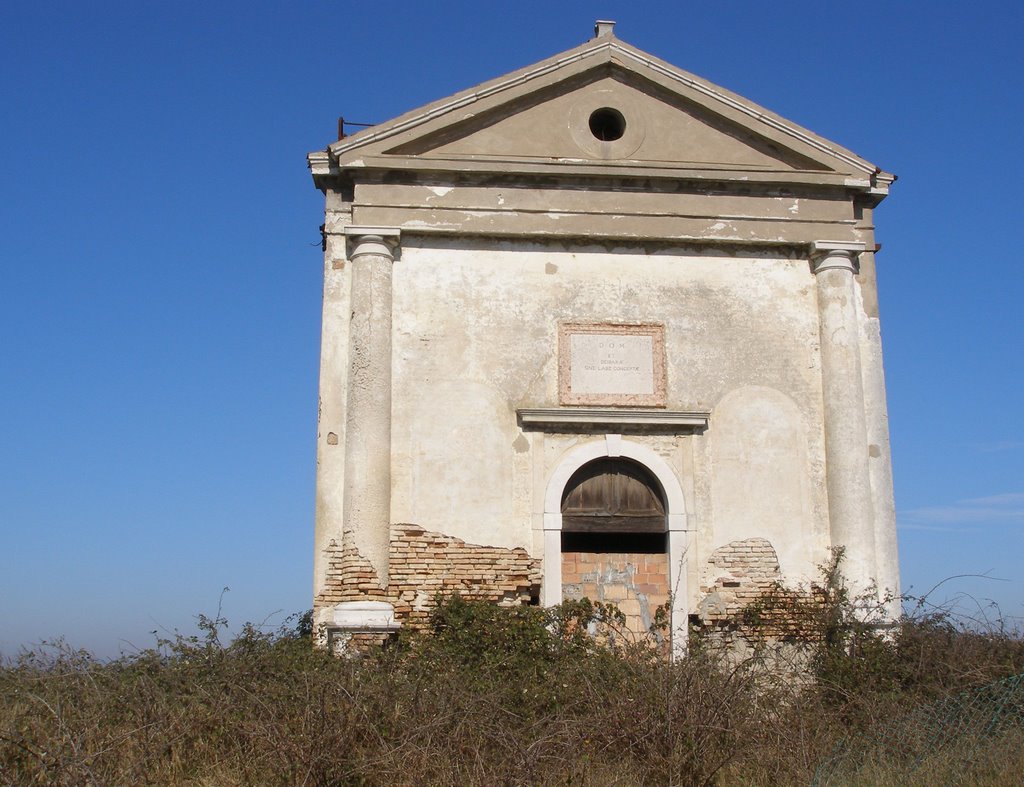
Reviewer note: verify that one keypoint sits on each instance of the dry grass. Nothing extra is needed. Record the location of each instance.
(492, 696)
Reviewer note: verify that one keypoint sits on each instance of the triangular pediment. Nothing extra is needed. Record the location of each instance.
(549, 115)
(651, 127)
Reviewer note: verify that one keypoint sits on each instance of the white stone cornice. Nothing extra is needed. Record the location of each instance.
(381, 232)
(821, 246)
(580, 419)
(319, 162)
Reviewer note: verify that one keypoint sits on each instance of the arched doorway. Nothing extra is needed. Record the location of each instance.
(614, 539)
(666, 483)
(613, 495)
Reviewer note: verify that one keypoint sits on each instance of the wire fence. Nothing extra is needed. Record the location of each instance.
(957, 735)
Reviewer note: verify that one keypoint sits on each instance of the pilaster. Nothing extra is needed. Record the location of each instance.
(879, 454)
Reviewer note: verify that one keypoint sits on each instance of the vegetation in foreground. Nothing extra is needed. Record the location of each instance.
(506, 696)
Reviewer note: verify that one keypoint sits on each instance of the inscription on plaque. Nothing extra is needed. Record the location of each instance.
(604, 363)
(612, 364)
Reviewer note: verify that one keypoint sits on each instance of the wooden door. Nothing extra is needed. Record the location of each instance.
(612, 496)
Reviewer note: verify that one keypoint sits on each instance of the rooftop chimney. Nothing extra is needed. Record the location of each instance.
(604, 28)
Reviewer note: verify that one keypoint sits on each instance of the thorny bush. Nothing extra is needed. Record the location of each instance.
(486, 695)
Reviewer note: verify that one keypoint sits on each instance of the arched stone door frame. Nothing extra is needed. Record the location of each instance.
(615, 446)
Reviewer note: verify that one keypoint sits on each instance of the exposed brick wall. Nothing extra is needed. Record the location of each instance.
(350, 577)
(636, 583)
(737, 578)
(743, 592)
(737, 574)
(355, 644)
(423, 564)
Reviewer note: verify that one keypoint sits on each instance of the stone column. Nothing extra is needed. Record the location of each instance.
(850, 507)
(367, 506)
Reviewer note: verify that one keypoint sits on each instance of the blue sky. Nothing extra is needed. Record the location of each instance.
(160, 289)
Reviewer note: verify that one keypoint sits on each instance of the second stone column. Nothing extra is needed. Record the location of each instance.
(850, 509)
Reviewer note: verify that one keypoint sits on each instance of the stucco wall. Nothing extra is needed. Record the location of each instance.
(475, 337)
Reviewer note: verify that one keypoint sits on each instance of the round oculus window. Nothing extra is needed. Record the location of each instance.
(607, 124)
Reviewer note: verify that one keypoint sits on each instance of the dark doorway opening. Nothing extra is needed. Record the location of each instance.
(603, 543)
(615, 541)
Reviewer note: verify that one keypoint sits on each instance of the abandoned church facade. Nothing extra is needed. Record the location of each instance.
(596, 328)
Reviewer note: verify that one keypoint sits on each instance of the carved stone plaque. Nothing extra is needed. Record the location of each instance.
(611, 364)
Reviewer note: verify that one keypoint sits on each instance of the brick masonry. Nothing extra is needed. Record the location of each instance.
(735, 576)
(743, 591)
(424, 564)
(636, 583)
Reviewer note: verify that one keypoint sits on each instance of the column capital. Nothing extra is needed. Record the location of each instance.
(372, 240)
(831, 254)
